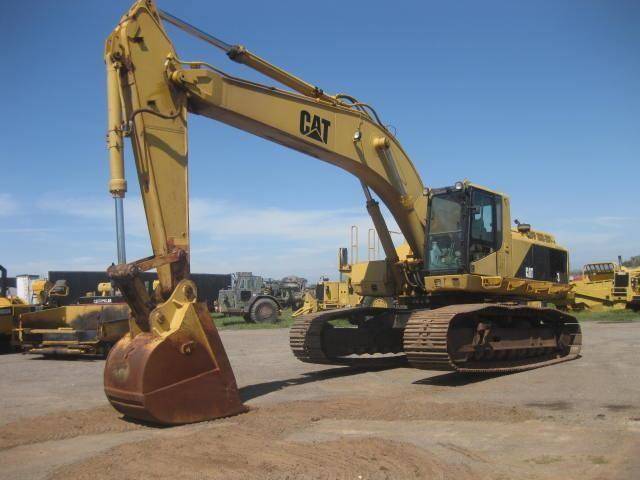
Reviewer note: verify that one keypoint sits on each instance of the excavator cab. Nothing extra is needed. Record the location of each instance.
(470, 247)
(464, 225)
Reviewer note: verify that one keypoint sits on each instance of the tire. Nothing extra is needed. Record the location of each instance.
(264, 310)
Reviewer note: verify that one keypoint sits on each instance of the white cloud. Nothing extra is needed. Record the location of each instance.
(30, 230)
(606, 221)
(222, 219)
(613, 222)
(84, 207)
(78, 233)
(602, 238)
(225, 236)
(8, 205)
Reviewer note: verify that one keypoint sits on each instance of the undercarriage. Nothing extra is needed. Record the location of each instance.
(469, 338)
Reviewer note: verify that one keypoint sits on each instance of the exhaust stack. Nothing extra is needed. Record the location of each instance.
(3, 282)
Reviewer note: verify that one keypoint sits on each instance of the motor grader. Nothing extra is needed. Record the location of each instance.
(462, 293)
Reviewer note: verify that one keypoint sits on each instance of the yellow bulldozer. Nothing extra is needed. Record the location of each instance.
(462, 292)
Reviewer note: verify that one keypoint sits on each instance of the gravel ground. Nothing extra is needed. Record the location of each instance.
(579, 419)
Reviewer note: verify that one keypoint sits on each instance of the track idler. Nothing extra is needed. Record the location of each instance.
(176, 372)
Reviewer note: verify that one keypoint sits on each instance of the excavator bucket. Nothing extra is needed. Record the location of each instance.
(175, 373)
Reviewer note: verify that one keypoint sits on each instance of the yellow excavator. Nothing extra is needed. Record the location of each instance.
(464, 292)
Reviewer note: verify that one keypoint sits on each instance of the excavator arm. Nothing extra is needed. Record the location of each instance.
(150, 92)
(156, 89)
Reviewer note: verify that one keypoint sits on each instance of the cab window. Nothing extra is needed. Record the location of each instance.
(485, 231)
(446, 238)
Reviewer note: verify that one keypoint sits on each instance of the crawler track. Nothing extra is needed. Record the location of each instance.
(314, 340)
(498, 338)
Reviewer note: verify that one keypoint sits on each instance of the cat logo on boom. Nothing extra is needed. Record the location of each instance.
(314, 126)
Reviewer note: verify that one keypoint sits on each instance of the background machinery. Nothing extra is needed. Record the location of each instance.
(49, 294)
(248, 297)
(289, 291)
(606, 285)
(334, 294)
(41, 295)
(10, 310)
(462, 291)
(90, 327)
(329, 295)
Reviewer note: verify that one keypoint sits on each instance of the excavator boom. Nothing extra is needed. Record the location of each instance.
(156, 89)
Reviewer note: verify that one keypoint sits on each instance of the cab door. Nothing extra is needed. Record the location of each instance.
(485, 233)
(504, 251)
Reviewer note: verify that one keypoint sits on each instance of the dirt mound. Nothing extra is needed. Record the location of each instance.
(244, 454)
(255, 445)
(278, 418)
(414, 407)
(61, 425)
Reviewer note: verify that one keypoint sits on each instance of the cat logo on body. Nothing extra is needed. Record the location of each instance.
(314, 126)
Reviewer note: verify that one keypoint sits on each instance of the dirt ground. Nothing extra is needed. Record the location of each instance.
(576, 420)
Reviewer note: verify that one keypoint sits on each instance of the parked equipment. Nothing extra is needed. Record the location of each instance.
(329, 295)
(289, 291)
(462, 292)
(606, 285)
(10, 310)
(247, 297)
(332, 294)
(90, 327)
(39, 294)
(48, 294)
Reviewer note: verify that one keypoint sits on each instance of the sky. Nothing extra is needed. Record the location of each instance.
(536, 99)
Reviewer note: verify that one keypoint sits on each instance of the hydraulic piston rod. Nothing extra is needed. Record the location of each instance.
(373, 207)
(196, 32)
(122, 255)
(240, 54)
